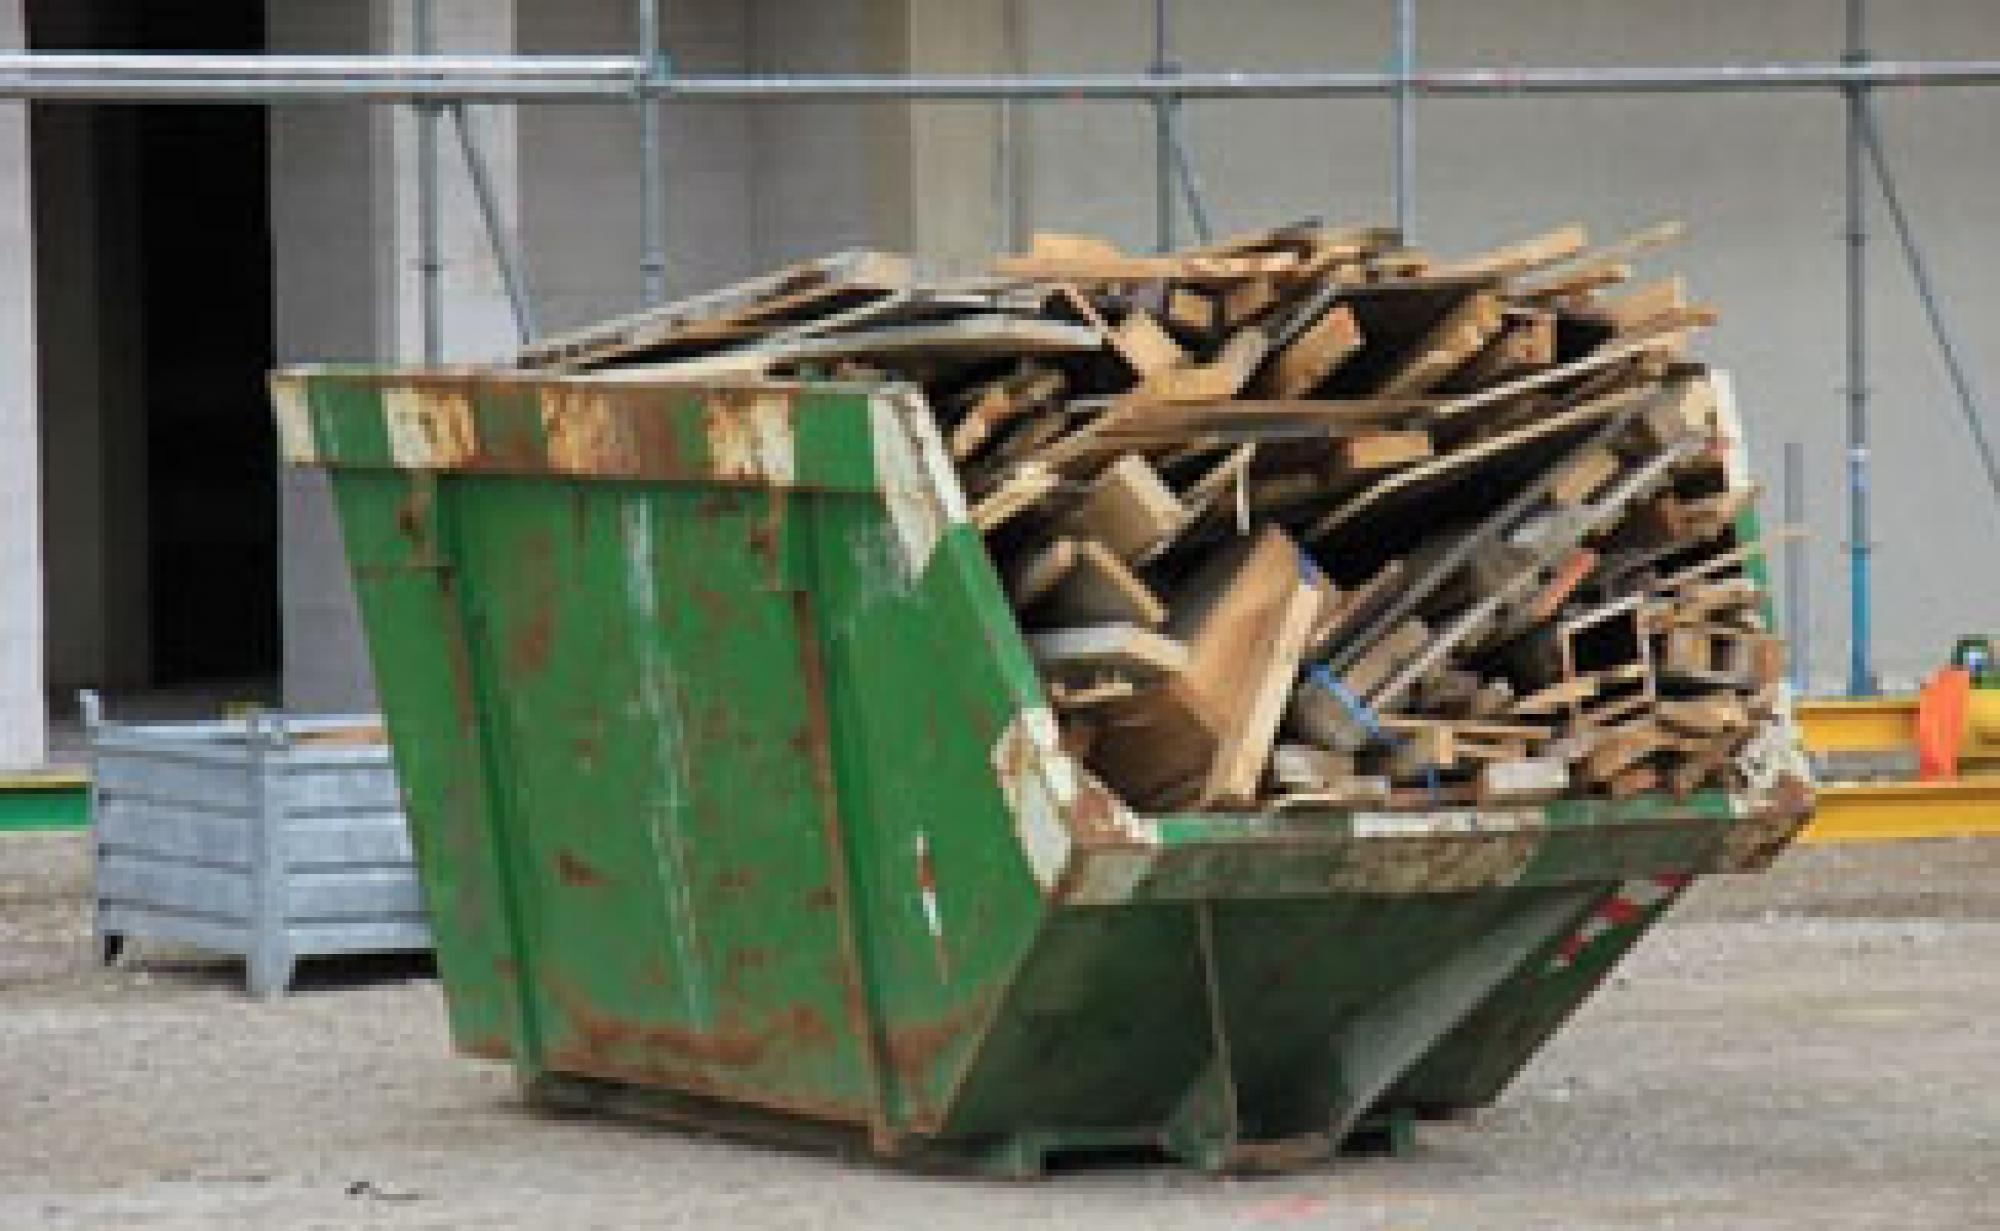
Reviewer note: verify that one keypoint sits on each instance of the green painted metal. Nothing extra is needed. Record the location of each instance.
(35, 802)
(736, 799)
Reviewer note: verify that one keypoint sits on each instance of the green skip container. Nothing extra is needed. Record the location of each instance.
(737, 800)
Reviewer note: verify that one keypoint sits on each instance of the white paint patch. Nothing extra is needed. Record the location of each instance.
(1039, 782)
(1449, 821)
(294, 419)
(750, 437)
(657, 707)
(428, 429)
(918, 482)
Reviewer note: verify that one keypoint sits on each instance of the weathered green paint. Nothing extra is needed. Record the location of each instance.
(731, 780)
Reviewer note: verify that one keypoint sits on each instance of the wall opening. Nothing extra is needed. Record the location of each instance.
(153, 246)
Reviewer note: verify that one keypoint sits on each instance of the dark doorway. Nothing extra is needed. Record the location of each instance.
(174, 500)
(205, 239)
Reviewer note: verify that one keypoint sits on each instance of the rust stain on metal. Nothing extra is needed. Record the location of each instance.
(586, 434)
(916, 1047)
(652, 424)
(821, 897)
(853, 993)
(529, 647)
(574, 872)
(486, 1047)
(1755, 840)
(767, 532)
(413, 514)
(458, 656)
(735, 880)
(715, 606)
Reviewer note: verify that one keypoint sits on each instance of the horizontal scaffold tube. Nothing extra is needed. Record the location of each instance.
(282, 78)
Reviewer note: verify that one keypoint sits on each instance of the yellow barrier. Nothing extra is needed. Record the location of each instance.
(1888, 811)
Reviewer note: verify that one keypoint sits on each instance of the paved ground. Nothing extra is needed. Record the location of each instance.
(1817, 1048)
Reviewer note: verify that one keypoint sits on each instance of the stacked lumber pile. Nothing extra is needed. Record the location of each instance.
(1309, 518)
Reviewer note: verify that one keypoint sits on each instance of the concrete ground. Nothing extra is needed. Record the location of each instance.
(1818, 1047)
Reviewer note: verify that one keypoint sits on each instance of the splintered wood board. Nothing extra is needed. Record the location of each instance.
(1120, 648)
(1245, 618)
(1098, 588)
(1456, 461)
(793, 290)
(1312, 356)
(1129, 509)
(1447, 346)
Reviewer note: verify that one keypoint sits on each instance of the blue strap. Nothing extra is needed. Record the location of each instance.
(1356, 708)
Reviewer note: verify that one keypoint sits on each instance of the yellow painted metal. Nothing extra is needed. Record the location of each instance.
(44, 780)
(1885, 811)
(1889, 724)
(1862, 724)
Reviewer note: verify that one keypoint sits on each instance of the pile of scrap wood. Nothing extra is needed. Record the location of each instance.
(1309, 517)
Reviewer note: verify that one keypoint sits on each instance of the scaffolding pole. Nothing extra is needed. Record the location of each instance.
(1163, 134)
(1403, 167)
(1797, 609)
(1970, 404)
(652, 167)
(513, 275)
(91, 77)
(1860, 654)
(430, 261)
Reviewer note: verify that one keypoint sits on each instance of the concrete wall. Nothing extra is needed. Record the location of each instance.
(23, 719)
(84, 166)
(348, 283)
(332, 265)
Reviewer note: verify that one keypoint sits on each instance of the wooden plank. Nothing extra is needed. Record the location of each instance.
(758, 298)
(1221, 377)
(1203, 737)
(1248, 731)
(1525, 344)
(1312, 356)
(1041, 571)
(1560, 244)
(1225, 478)
(1098, 588)
(991, 334)
(1145, 345)
(1639, 306)
(1302, 767)
(1244, 302)
(1000, 402)
(1467, 455)
(1522, 731)
(1360, 791)
(1596, 361)
(1101, 691)
(1581, 478)
(1372, 451)
(1404, 642)
(1447, 346)
(1113, 266)
(1129, 509)
(1357, 606)
(1121, 648)
(1191, 310)
(1027, 486)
